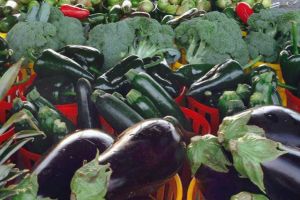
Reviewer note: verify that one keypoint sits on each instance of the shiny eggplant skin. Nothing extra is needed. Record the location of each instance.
(57, 168)
(282, 176)
(146, 156)
(221, 186)
(280, 124)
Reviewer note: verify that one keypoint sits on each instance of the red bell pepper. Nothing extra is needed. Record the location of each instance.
(73, 11)
(244, 11)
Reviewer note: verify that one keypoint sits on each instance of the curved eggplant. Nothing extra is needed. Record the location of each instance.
(57, 168)
(280, 124)
(281, 179)
(146, 156)
(282, 176)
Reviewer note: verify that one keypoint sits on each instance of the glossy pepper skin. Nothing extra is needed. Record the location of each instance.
(88, 57)
(264, 81)
(53, 63)
(114, 80)
(190, 73)
(73, 11)
(7, 23)
(279, 123)
(4, 54)
(224, 76)
(290, 63)
(56, 89)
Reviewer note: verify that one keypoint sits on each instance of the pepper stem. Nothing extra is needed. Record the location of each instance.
(31, 55)
(283, 85)
(294, 36)
(253, 62)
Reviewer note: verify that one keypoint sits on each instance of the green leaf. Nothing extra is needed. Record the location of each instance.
(207, 151)
(90, 182)
(5, 170)
(248, 196)
(9, 77)
(235, 126)
(249, 152)
(27, 189)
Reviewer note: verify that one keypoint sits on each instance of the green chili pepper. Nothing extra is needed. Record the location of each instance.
(7, 23)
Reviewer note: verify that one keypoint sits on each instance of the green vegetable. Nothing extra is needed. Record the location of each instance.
(249, 196)
(161, 99)
(34, 97)
(117, 113)
(7, 23)
(145, 6)
(204, 5)
(211, 39)
(52, 63)
(90, 182)
(244, 91)
(264, 83)
(142, 104)
(46, 27)
(144, 37)
(224, 76)
(222, 4)
(262, 44)
(230, 103)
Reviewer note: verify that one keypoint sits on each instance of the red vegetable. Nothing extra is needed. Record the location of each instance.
(73, 11)
(243, 11)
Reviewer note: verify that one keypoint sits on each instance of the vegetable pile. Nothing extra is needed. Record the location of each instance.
(119, 99)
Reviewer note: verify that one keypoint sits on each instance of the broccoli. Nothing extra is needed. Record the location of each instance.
(44, 30)
(139, 35)
(211, 39)
(262, 44)
(269, 30)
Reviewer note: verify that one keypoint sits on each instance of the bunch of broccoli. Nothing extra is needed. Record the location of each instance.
(139, 36)
(269, 30)
(44, 27)
(211, 39)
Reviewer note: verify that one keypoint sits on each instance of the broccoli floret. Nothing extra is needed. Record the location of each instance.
(262, 44)
(35, 36)
(212, 39)
(139, 35)
(69, 31)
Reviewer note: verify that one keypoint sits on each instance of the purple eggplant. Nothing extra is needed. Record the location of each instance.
(146, 156)
(57, 168)
(221, 186)
(280, 124)
(282, 176)
(281, 179)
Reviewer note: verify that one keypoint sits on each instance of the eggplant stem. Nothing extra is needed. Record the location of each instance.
(253, 62)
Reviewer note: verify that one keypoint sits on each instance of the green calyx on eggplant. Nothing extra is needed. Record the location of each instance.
(139, 163)
(57, 168)
(224, 160)
(279, 123)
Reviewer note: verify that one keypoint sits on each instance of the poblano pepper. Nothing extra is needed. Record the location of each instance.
(188, 74)
(88, 57)
(53, 63)
(224, 76)
(290, 62)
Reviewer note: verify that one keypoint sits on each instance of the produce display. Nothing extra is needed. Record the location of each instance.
(141, 99)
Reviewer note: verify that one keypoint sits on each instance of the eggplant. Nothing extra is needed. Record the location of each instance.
(281, 179)
(145, 157)
(221, 186)
(57, 168)
(282, 175)
(280, 124)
